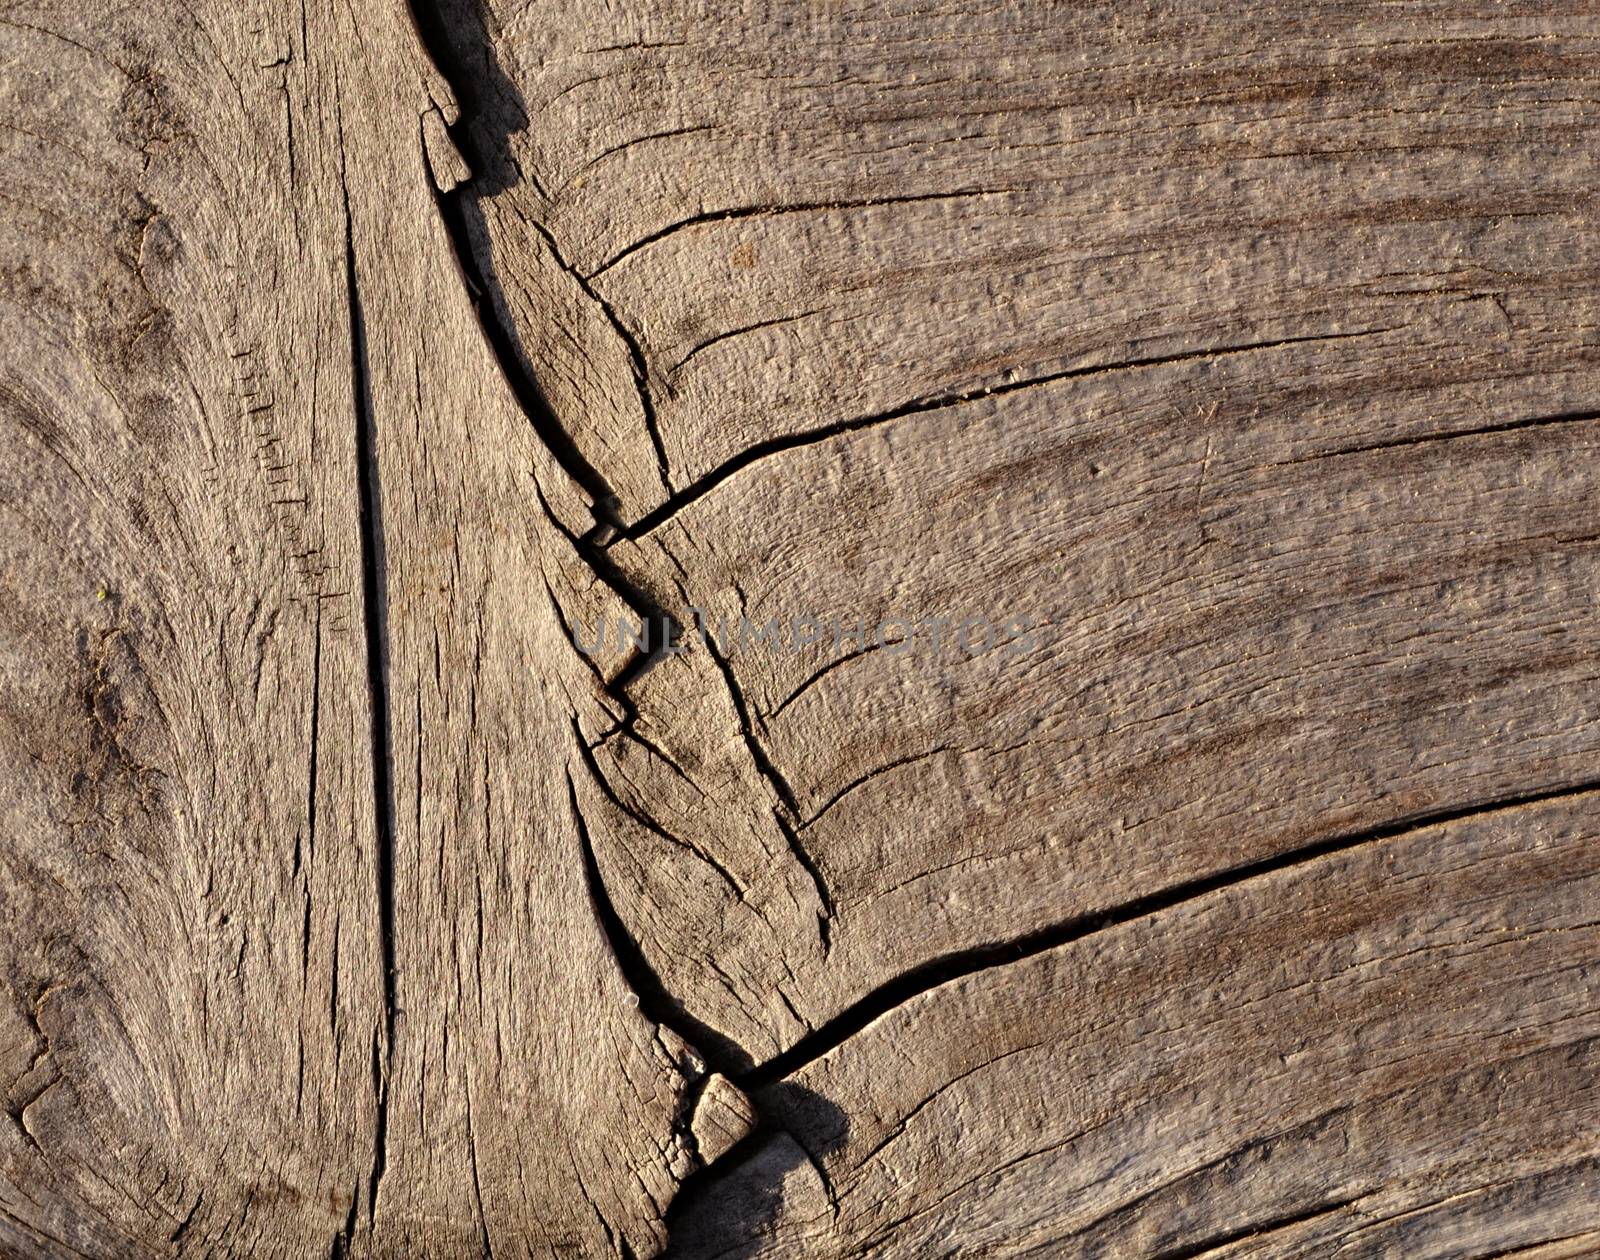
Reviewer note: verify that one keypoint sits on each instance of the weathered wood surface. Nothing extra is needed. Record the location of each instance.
(357, 359)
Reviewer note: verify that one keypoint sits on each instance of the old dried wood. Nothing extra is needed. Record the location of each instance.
(1111, 493)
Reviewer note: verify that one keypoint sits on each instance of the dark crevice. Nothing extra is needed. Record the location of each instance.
(1508, 426)
(788, 810)
(957, 964)
(188, 1219)
(721, 1053)
(702, 1186)
(661, 629)
(741, 1196)
(683, 1118)
(380, 1133)
(798, 207)
(709, 481)
(809, 865)
(316, 718)
(758, 754)
(1193, 1251)
(641, 368)
(483, 141)
(651, 825)
(514, 366)
(344, 1240)
(348, 1236)
(375, 594)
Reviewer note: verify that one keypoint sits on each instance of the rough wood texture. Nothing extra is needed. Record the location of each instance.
(1235, 367)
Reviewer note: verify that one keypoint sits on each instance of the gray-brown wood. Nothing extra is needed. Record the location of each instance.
(1240, 898)
(271, 504)
(1377, 1052)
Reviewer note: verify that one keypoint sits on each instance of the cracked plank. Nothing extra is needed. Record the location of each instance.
(297, 902)
(1245, 374)
(1245, 908)
(1294, 1108)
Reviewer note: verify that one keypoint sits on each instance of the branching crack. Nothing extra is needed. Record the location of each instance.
(721, 1054)
(496, 328)
(956, 965)
(661, 628)
(663, 631)
(709, 481)
(788, 808)
(641, 368)
(514, 367)
(38, 1077)
(1508, 426)
(650, 824)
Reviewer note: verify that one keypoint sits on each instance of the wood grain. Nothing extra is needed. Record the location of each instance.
(1374, 1052)
(302, 951)
(1234, 370)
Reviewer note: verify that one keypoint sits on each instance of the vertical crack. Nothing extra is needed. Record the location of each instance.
(664, 630)
(310, 855)
(513, 364)
(636, 359)
(661, 629)
(788, 807)
(720, 1052)
(492, 171)
(484, 1238)
(375, 595)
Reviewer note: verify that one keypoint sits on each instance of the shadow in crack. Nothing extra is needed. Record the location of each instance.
(770, 1189)
(456, 35)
